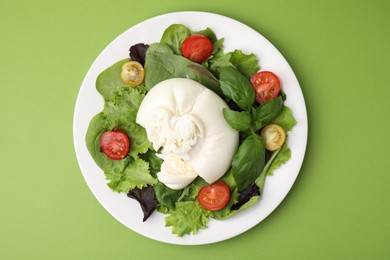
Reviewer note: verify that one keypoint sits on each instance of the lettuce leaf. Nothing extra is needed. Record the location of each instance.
(282, 157)
(135, 175)
(166, 197)
(121, 112)
(285, 119)
(247, 64)
(187, 218)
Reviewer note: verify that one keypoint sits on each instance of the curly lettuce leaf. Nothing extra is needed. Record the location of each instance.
(135, 175)
(120, 113)
(188, 217)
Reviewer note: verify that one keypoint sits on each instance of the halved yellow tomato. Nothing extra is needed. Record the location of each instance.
(132, 73)
(274, 137)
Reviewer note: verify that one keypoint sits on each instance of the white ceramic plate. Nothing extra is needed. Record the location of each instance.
(237, 36)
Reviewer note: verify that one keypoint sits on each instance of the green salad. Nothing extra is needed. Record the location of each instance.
(256, 110)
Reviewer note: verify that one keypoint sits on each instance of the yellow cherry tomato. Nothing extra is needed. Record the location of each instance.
(274, 137)
(132, 73)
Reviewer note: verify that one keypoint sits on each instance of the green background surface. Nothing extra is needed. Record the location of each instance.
(339, 205)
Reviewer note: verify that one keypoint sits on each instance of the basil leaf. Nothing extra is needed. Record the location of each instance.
(248, 65)
(241, 121)
(249, 161)
(174, 36)
(237, 87)
(266, 112)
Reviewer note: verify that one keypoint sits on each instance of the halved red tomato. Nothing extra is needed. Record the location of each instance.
(266, 85)
(197, 48)
(115, 144)
(214, 197)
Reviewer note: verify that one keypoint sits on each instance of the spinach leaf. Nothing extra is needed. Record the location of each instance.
(237, 87)
(241, 121)
(208, 33)
(248, 65)
(110, 80)
(249, 161)
(96, 128)
(162, 66)
(174, 36)
(266, 112)
(159, 47)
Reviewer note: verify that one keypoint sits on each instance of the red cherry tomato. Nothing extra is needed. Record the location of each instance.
(266, 85)
(214, 197)
(115, 144)
(197, 48)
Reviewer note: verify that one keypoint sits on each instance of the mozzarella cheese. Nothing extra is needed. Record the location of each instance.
(184, 121)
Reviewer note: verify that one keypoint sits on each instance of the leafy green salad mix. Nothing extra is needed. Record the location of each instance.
(227, 74)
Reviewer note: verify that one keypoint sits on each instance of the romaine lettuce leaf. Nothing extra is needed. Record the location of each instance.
(282, 157)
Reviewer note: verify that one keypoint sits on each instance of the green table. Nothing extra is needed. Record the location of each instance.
(339, 205)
